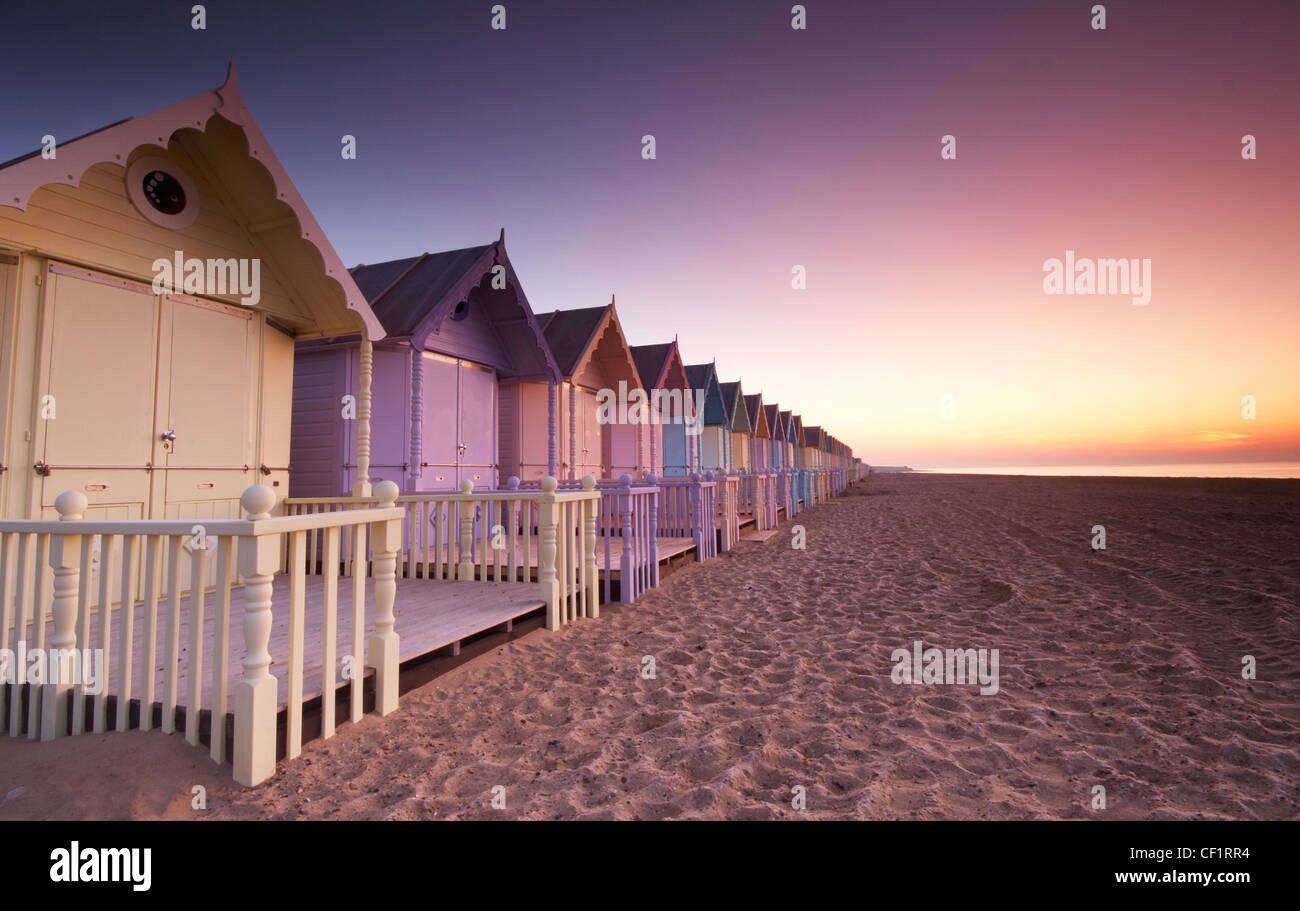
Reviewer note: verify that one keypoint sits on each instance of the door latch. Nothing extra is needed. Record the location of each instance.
(169, 441)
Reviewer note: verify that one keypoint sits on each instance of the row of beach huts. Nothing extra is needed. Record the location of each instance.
(244, 487)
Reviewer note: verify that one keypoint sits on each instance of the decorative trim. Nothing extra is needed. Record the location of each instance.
(113, 144)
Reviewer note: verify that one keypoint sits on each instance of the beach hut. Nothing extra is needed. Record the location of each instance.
(760, 435)
(460, 339)
(733, 397)
(666, 448)
(593, 357)
(786, 443)
(154, 277)
(776, 436)
(715, 434)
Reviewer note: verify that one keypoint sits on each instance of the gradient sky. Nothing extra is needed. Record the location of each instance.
(818, 148)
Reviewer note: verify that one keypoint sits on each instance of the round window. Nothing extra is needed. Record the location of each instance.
(162, 192)
(461, 311)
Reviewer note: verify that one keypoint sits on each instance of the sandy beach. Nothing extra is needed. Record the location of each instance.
(1118, 667)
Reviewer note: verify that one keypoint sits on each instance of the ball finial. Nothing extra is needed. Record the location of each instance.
(625, 480)
(386, 492)
(549, 484)
(652, 479)
(466, 486)
(71, 504)
(257, 501)
(588, 482)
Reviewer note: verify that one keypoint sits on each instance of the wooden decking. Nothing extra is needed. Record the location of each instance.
(430, 615)
(668, 548)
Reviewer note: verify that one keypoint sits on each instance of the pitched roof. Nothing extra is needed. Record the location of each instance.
(787, 424)
(732, 395)
(402, 292)
(575, 335)
(757, 419)
(775, 429)
(570, 333)
(705, 376)
(413, 297)
(651, 363)
(217, 133)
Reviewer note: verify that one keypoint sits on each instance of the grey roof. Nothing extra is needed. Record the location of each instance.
(731, 393)
(403, 292)
(705, 376)
(411, 298)
(570, 333)
(651, 362)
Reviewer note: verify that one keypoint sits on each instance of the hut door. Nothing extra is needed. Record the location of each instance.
(440, 431)
(477, 413)
(589, 437)
(94, 427)
(204, 395)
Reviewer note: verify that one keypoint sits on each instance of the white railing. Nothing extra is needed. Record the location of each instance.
(488, 536)
(171, 560)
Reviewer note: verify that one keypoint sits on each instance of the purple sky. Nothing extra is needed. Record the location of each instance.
(777, 148)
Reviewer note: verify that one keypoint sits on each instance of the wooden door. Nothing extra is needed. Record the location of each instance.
(440, 431)
(589, 437)
(95, 428)
(205, 394)
(477, 415)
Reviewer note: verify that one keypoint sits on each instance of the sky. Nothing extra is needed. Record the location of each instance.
(923, 335)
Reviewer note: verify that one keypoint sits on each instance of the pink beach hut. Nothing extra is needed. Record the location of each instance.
(592, 354)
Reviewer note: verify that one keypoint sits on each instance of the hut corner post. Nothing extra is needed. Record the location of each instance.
(361, 487)
(552, 468)
(382, 650)
(417, 420)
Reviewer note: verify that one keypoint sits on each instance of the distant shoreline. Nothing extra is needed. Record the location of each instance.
(1277, 471)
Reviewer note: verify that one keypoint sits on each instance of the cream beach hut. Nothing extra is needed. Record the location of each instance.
(155, 276)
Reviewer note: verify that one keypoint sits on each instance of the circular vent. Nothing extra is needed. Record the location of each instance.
(461, 311)
(162, 192)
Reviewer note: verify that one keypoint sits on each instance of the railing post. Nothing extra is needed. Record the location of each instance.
(65, 560)
(547, 583)
(383, 648)
(722, 510)
(589, 507)
(706, 517)
(652, 549)
(465, 569)
(697, 515)
(256, 698)
(626, 567)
